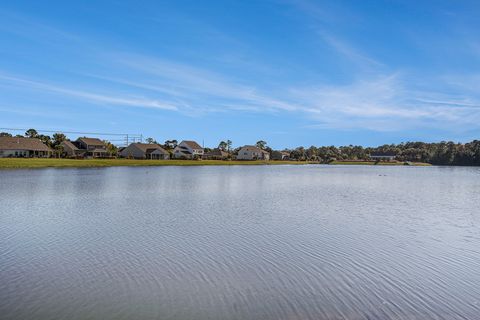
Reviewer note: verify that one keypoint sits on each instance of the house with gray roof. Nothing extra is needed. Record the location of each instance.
(188, 150)
(93, 147)
(145, 151)
(252, 153)
(19, 147)
(382, 156)
(216, 154)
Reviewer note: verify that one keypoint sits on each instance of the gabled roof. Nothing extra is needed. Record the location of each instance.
(148, 147)
(17, 143)
(70, 145)
(254, 149)
(91, 141)
(217, 153)
(191, 144)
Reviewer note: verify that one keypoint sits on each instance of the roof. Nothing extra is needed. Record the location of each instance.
(217, 152)
(184, 151)
(191, 144)
(70, 145)
(91, 141)
(254, 148)
(20, 143)
(382, 154)
(148, 147)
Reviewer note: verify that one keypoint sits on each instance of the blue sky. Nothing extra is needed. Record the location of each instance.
(288, 72)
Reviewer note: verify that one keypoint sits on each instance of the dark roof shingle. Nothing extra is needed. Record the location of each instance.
(91, 141)
(145, 147)
(192, 144)
(18, 143)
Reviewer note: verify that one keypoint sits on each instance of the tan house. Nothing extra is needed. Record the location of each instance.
(19, 147)
(188, 150)
(92, 147)
(252, 153)
(145, 151)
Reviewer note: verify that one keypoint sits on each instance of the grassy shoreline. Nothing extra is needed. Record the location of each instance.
(19, 163)
(373, 163)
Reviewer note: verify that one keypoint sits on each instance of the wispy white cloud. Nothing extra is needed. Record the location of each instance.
(383, 104)
(111, 99)
(348, 51)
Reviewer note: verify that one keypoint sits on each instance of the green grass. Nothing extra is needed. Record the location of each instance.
(371, 163)
(18, 163)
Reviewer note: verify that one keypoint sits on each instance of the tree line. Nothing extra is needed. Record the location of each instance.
(441, 153)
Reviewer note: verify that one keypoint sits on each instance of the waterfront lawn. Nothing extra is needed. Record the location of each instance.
(17, 163)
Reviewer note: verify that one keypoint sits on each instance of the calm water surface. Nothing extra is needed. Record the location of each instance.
(282, 242)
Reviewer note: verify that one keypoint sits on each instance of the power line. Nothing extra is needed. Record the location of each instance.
(127, 137)
(74, 132)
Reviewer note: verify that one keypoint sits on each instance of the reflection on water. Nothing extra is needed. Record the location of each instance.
(283, 242)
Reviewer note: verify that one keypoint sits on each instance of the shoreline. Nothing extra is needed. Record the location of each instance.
(38, 163)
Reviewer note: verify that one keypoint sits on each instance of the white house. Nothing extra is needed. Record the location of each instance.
(188, 150)
(252, 153)
(19, 147)
(145, 151)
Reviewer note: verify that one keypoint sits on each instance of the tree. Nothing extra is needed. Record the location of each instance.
(31, 133)
(229, 145)
(150, 140)
(58, 150)
(170, 144)
(58, 138)
(222, 145)
(5, 134)
(261, 144)
(111, 148)
(45, 139)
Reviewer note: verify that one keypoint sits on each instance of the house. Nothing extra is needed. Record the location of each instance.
(20, 147)
(145, 151)
(188, 150)
(70, 150)
(280, 155)
(216, 154)
(252, 153)
(383, 156)
(92, 147)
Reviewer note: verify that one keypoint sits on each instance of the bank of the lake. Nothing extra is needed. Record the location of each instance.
(32, 163)
(19, 163)
(386, 163)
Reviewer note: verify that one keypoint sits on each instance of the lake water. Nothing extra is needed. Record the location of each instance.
(240, 242)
